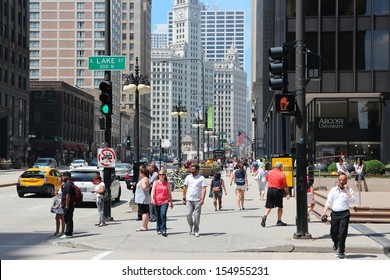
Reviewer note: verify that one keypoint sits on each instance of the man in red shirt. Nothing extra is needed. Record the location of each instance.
(276, 183)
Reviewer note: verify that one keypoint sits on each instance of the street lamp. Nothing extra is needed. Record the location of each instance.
(137, 83)
(203, 85)
(179, 111)
(198, 123)
(208, 132)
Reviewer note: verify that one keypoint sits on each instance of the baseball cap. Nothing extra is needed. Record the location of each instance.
(67, 173)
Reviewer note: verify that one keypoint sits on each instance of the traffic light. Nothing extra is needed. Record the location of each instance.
(310, 175)
(128, 142)
(106, 97)
(278, 68)
(285, 103)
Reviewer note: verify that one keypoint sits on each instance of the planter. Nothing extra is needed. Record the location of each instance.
(208, 171)
(17, 164)
(5, 165)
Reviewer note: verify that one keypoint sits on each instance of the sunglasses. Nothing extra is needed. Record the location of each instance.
(161, 174)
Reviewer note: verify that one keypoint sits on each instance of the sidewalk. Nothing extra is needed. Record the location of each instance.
(225, 231)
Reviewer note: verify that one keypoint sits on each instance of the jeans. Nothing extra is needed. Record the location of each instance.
(193, 209)
(68, 215)
(162, 217)
(100, 208)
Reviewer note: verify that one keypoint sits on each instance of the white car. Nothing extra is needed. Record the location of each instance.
(78, 163)
(83, 178)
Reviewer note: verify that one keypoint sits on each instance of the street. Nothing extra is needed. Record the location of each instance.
(27, 227)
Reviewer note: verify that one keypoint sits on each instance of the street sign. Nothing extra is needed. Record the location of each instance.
(106, 157)
(108, 63)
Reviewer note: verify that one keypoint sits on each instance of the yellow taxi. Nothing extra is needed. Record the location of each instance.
(41, 180)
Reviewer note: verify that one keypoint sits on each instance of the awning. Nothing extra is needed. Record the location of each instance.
(68, 147)
(82, 147)
(75, 147)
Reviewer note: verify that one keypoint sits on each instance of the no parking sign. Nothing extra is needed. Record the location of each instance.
(106, 157)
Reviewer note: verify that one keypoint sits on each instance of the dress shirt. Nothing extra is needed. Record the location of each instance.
(338, 199)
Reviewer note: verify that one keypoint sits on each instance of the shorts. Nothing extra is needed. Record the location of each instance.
(240, 187)
(274, 198)
(143, 208)
(310, 200)
(361, 177)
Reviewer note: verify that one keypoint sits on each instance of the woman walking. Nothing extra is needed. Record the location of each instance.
(240, 180)
(161, 197)
(142, 197)
(99, 192)
(216, 187)
(260, 177)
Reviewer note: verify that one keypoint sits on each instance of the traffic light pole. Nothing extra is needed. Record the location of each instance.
(107, 135)
(300, 130)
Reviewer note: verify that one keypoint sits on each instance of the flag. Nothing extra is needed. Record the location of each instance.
(240, 138)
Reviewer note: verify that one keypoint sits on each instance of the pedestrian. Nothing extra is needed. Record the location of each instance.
(217, 185)
(310, 200)
(57, 209)
(142, 197)
(100, 187)
(359, 169)
(341, 167)
(161, 199)
(276, 184)
(240, 180)
(339, 199)
(194, 192)
(229, 168)
(261, 179)
(153, 171)
(67, 204)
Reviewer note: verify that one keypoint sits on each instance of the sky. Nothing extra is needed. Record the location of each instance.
(160, 10)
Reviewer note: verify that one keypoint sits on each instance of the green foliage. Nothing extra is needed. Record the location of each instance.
(374, 166)
(332, 167)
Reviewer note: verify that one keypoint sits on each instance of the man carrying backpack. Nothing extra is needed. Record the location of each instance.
(67, 203)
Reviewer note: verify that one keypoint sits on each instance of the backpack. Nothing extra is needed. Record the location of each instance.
(78, 195)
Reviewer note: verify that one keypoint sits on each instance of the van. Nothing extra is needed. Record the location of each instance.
(45, 162)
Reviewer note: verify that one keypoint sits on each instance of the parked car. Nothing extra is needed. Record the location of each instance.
(78, 163)
(45, 162)
(94, 162)
(122, 169)
(83, 178)
(175, 161)
(43, 180)
(161, 165)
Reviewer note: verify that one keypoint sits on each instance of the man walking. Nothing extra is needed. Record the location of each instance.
(338, 200)
(67, 204)
(276, 183)
(194, 192)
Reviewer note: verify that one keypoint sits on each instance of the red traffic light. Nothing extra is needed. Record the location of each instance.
(105, 86)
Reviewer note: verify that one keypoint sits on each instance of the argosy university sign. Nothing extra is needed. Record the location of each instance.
(331, 123)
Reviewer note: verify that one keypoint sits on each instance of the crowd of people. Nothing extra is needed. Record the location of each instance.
(153, 196)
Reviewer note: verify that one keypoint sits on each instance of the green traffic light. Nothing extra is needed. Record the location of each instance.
(105, 109)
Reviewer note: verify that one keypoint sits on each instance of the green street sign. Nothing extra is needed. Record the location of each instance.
(107, 63)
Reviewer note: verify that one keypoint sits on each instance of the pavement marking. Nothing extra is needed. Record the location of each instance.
(101, 255)
(379, 238)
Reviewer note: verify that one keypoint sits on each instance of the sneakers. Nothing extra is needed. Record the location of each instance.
(196, 234)
(280, 223)
(263, 221)
(102, 224)
(65, 236)
(164, 234)
(190, 232)
(341, 256)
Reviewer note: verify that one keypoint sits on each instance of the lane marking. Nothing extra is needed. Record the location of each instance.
(101, 255)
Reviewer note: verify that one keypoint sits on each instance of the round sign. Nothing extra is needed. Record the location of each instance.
(107, 157)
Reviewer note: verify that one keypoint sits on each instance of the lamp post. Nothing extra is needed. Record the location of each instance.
(179, 111)
(137, 83)
(198, 123)
(208, 131)
(203, 85)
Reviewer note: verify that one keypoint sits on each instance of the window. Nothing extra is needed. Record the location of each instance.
(80, 15)
(80, 5)
(381, 49)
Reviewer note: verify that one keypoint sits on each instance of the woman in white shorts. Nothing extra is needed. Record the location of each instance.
(240, 180)
(260, 177)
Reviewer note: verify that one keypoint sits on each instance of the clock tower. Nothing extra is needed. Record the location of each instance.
(187, 28)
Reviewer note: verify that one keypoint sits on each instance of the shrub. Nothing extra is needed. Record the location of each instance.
(332, 167)
(374, 166)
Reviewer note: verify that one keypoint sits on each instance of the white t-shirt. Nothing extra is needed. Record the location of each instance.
(98, 187)
(194, 187)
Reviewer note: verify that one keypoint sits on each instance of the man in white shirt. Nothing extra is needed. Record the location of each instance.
(339, 199)
(194, 192)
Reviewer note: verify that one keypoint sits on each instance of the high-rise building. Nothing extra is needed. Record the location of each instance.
(348, 105)
(160, 36)
(14, 80)
(136, 43)
(63, 34)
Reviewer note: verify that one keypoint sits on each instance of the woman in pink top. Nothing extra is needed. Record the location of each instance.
(161, 197)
